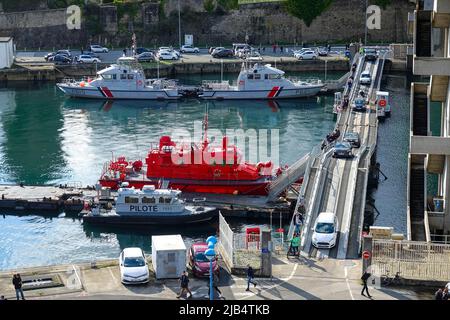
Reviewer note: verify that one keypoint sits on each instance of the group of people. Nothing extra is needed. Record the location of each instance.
(442, 293)
(331, 136)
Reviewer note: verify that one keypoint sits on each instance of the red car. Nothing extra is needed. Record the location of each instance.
(198, 261)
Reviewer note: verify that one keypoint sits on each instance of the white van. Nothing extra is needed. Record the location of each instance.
(325, 230)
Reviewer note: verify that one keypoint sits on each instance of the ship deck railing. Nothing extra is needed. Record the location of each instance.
(216, 84)
(314, 81)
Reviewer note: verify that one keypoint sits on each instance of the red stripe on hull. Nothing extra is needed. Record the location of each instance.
(107, 92)
(247, 189)
(273, 92)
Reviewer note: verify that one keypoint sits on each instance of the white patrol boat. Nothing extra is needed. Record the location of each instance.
(260, 82)
(149, 206)
(124, 80)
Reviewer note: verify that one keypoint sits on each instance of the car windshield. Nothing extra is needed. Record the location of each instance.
(324, 227)
(342, 146)
(133, 262)
(365, 75)
(200, 257)
(350, 136)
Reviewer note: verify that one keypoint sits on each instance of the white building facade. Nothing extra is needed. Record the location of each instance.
(6, 52)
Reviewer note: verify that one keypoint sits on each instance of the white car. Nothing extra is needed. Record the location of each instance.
(189, 49)
(325, 230)
(84, 58)
(161, 49)
(297, 52)
(307, 55)
(133, 266)
(365, 78)
(254, 56)
(98, 49)
(167, 55)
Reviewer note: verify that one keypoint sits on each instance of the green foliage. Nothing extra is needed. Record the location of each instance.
(229, 4)
(383, 3)
(307, 10)
(208, 5)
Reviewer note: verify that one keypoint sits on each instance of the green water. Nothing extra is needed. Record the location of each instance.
(46, 138)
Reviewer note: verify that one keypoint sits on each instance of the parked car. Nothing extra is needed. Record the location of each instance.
(370, 54)
(322, 52)
(133, 266)
(189, 49)
(225, 53)
(307, 55)
(142, 50)
(60, 59)
(169, 49)
(254, 56)
(145, 57)
(211, 49)
(297, 52)
(217, 49)
(342, 150)
(49, 55)
(325, 230)
(85, 58)
(353, 139)
(64, 52)
(98, 49)
(365, 78)
(198, 261)
(360, 104)
(167, 55)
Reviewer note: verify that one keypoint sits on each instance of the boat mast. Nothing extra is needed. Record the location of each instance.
(205, 128)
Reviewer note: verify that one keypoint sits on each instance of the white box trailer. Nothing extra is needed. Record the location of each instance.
(6, 52)
(168, 256)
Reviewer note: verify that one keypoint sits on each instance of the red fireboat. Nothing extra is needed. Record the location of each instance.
(192, 168)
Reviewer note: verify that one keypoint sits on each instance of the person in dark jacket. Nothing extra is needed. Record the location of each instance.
(17, 282)
(250, 276)
(184, 283)
(445, 294)
(364, 278)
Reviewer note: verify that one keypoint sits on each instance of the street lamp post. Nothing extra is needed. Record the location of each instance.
(211, 255)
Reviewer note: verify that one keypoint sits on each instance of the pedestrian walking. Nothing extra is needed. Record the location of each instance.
(364, 278)
(215, 285)
(17, 282)
(438, 295)
(184, 284)
(250, 276)
(295, 242)
(274, 47)
(281, 49)
(264, 49)
(125, 52)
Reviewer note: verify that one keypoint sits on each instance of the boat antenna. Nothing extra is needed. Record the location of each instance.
(205, 126)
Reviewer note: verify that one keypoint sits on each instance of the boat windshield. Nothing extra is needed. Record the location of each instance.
(134, 262)
(324, 227)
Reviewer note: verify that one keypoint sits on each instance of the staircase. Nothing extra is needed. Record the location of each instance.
(417, 202)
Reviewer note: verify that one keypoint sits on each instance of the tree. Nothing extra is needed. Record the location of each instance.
(307, 10)
(383, 3)
(208, 5)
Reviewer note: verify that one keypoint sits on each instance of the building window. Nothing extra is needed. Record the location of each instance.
(257, 76)
(161, 200)
(130, 76)
(168, 200)
(250, 76)
(123, 76)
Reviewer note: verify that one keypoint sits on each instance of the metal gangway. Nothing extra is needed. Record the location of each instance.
(288, 177)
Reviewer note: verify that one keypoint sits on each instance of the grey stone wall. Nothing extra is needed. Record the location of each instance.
(264, 23)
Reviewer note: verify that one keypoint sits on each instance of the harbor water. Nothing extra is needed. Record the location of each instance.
(46, 138)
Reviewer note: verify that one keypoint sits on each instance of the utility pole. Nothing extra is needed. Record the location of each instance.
(179, 25)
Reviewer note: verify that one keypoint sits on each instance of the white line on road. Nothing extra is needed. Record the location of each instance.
(348, 283)
(275, 285)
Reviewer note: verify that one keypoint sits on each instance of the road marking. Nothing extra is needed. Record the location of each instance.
(78, 277)
(348, 283)
(275, 285)
(112, 275)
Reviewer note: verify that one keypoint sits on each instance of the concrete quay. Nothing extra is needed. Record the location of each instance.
(293, 279)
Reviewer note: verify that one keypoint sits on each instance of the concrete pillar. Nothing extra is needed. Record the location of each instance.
(266, 254)
(446, 194)
(367, 246)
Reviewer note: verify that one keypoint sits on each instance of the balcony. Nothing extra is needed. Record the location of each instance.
(430, 145)
(427, 66)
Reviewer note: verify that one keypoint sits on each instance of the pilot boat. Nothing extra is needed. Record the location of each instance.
(260, 82)
(149, 206)
(195, 168)
(124, 80)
